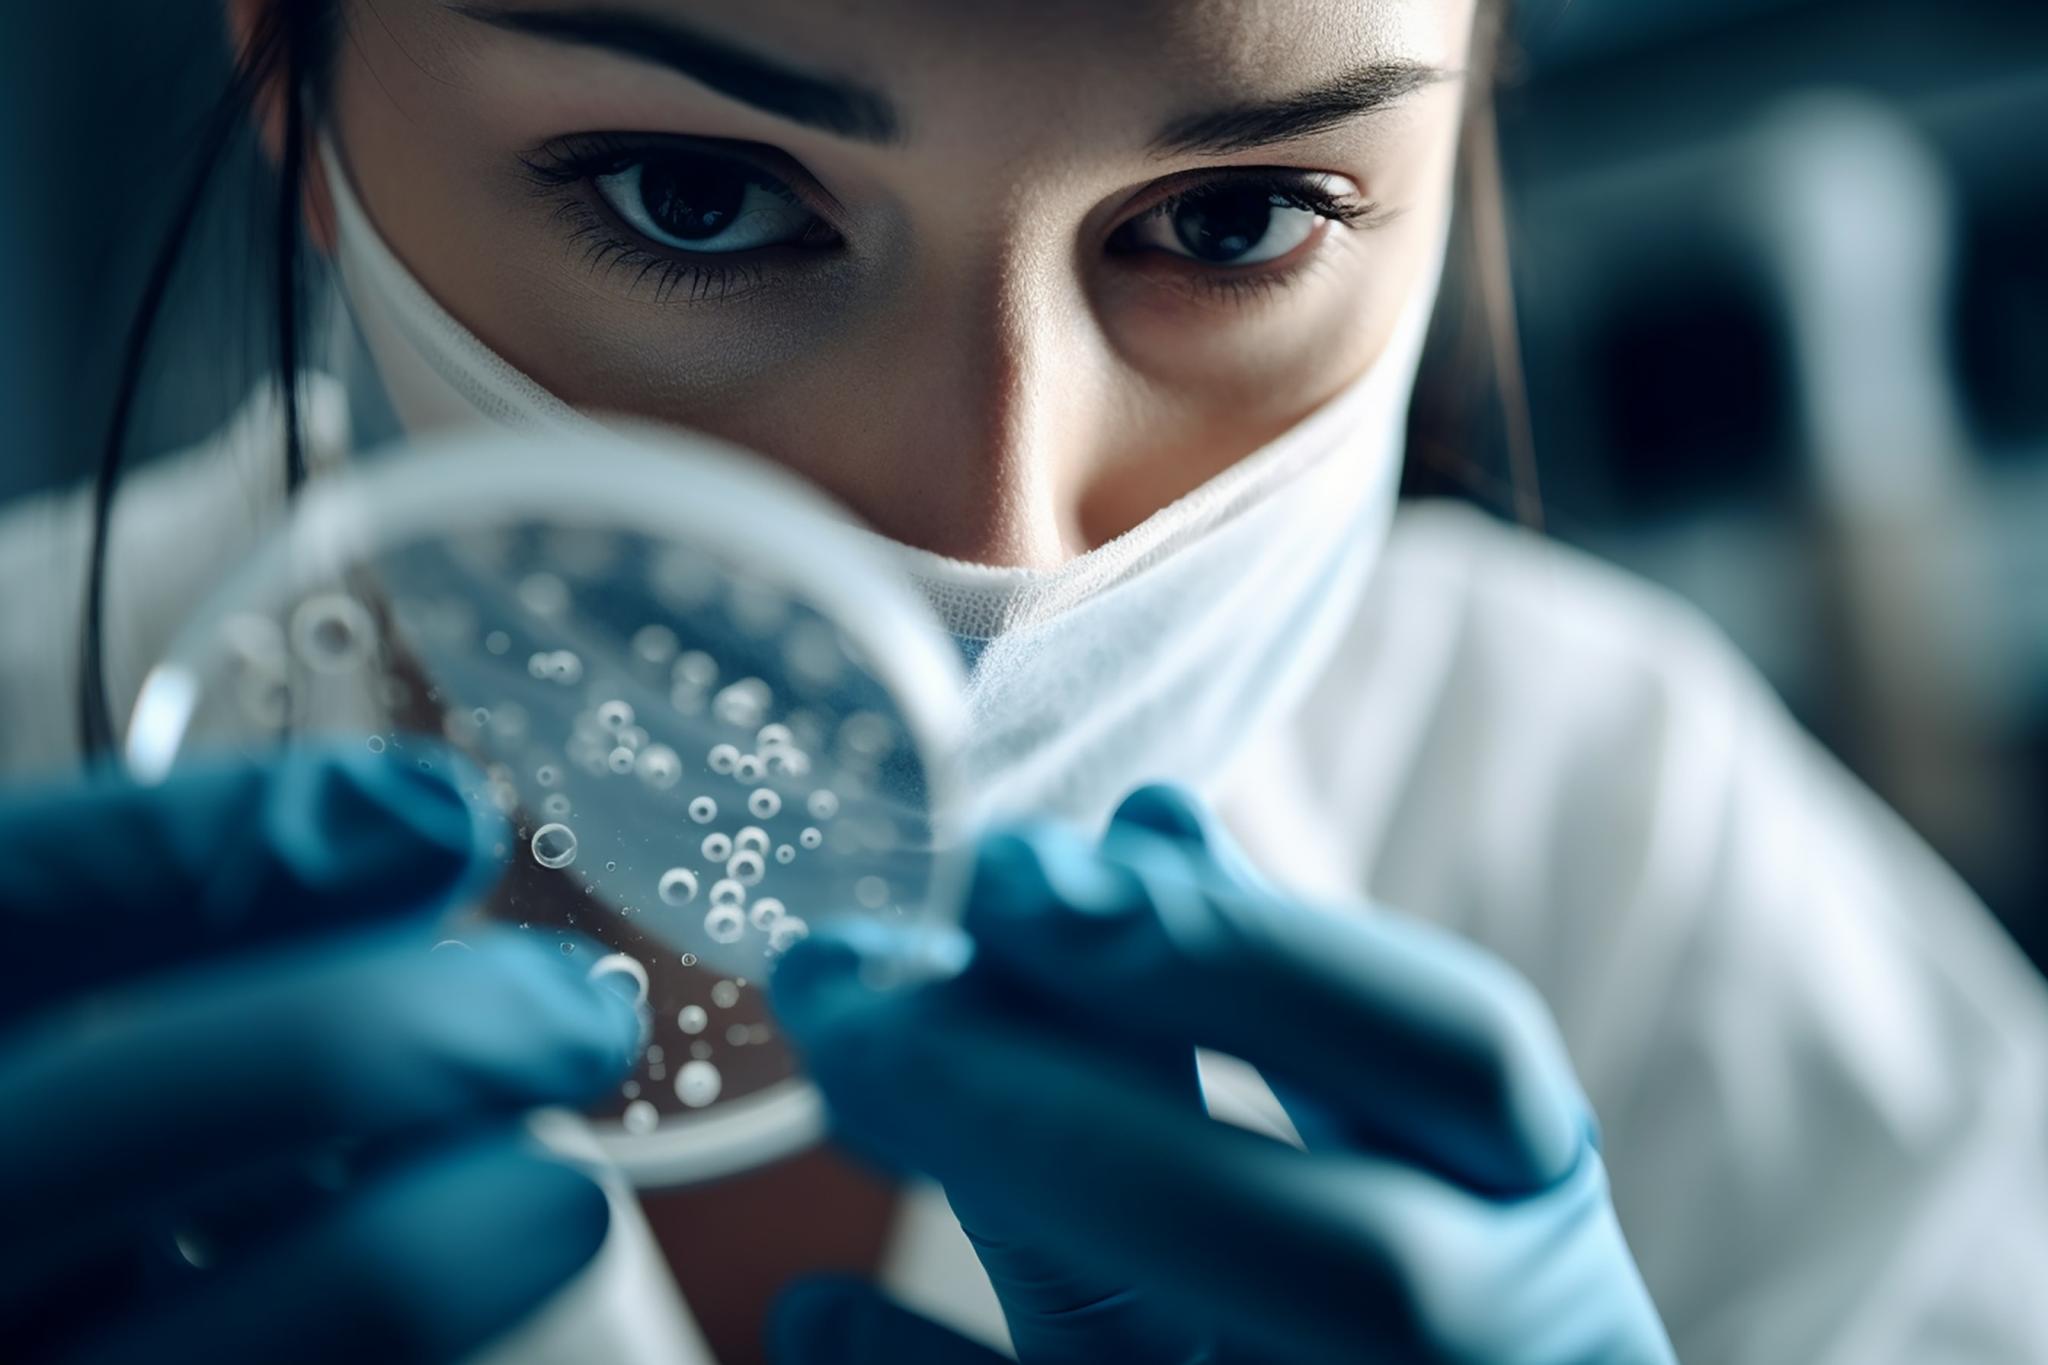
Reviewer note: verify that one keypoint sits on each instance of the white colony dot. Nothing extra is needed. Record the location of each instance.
(332, 633)
(793, 762)
(481, 715)
(728, 891)
(871, 892)
(724, 923)
(547, 775)
(618, 964)
(656, 644)
(634, 737)
(698, 1084)
(765, 913)
(751, 838)
(694, 669)
(543, 594)
(678, 886)
(692, 1018)
(497, 642)
(689, 959)
(764, 803)
(717, 847)
(789, 929)
(749, 768)
(701, 1049)
(620, 760)
(640, 1117)
(686, 699)
(723, 758)
(556, 804)
(785, 853)
(376, 743)
(554, 845)
(811, 836)
(725, 994)
(658, 766)
(775, 736)
(742, 704)
(746, 867)
(703, 809)
(614, 714)
(823, 804)
(540, 665)
(564, 666)
(736, 1035)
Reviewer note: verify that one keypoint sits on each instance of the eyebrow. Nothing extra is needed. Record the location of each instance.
(831, 103)
(844, 107)
(1366, 90)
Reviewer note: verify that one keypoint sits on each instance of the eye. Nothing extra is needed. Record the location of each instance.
(704, 204)
(1234, 223)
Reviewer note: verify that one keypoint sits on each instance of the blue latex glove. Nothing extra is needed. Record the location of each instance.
(1451, 1205)
(223, 1025)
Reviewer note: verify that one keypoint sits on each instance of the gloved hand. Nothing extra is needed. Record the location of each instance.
(1451, 1204)
(225, 1031)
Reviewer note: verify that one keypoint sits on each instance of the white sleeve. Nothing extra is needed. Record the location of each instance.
(1820, 1065)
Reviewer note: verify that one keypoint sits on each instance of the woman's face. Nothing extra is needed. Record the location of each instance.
(1005, 277)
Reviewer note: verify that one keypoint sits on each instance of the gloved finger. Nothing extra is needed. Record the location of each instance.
(426, 1264)
(835, 1320)
(184, 1079)
(110, 878)
(1174, 812)
(1229, 1234)
(1056, 1312)
(1424, 1045)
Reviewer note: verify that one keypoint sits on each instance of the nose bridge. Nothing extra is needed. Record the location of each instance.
(1008, 365)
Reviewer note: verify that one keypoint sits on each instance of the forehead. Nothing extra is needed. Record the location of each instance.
(1078, 56)
(1219, 35)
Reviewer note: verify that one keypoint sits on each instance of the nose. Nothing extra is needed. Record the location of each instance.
(986, 411)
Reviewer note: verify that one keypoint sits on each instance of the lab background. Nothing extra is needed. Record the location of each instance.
(1781, 276)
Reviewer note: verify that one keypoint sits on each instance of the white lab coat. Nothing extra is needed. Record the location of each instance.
(1821, 1069)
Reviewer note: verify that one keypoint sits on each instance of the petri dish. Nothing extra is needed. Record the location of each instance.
(713, 716)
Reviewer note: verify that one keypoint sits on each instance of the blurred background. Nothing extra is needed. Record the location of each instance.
(1782, 272)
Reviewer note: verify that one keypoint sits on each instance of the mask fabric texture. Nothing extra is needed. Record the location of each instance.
(1155, 657)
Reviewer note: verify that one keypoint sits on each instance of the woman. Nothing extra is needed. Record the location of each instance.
(1107, 317)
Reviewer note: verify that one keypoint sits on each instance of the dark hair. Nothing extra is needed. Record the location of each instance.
(288, 55)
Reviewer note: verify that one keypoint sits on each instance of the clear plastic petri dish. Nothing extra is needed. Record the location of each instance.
(711, 714)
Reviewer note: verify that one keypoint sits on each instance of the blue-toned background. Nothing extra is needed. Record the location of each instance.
(1783, 296)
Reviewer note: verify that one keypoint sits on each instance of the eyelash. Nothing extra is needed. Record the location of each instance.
(565, 168)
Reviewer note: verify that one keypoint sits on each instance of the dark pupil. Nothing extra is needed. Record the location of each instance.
(691, 199)
(1224, 225)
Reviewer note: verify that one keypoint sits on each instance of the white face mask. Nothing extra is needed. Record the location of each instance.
(1155, 657)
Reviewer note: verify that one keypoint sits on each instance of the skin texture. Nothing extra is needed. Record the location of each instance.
(973, 371)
